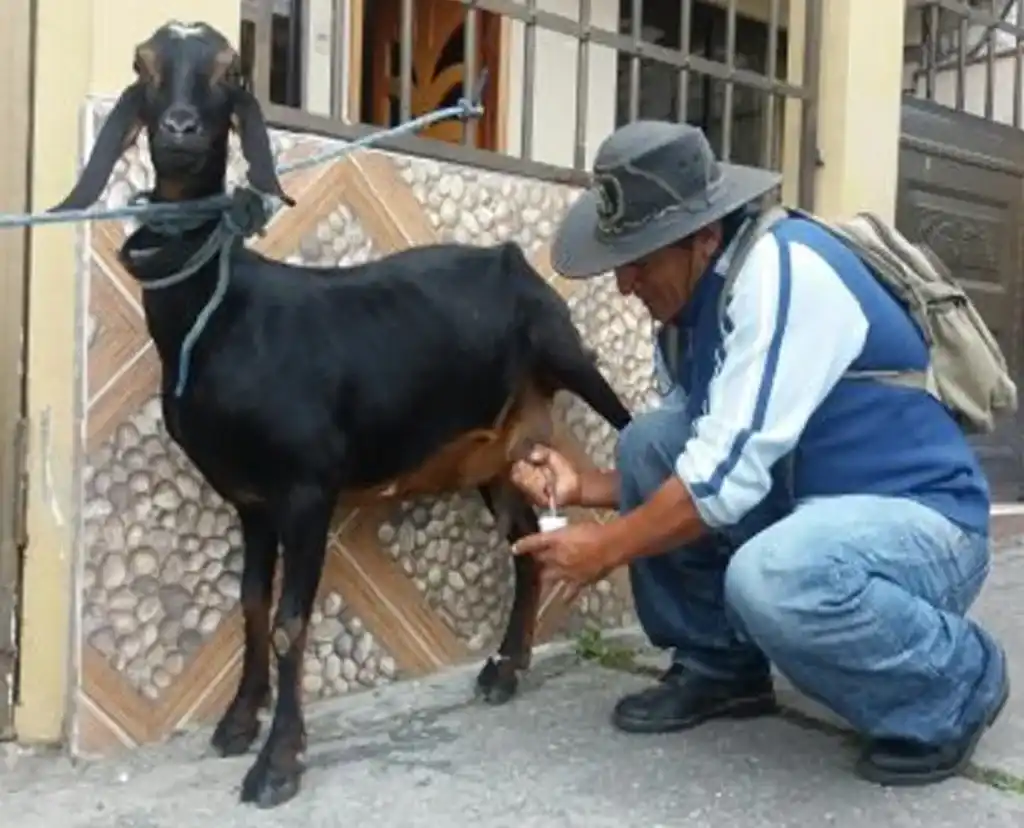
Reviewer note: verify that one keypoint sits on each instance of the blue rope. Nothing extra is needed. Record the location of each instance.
(244, 212)
(208, 207)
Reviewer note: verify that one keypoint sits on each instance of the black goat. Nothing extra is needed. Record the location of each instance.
(422, 372)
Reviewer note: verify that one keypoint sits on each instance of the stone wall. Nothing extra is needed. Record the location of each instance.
(161, 552)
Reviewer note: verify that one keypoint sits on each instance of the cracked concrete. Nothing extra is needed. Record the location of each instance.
(425, 753)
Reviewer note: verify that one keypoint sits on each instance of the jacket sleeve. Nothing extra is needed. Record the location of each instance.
(795, 329)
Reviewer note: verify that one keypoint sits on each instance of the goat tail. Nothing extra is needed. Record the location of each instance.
(558, 350)
(590, 385)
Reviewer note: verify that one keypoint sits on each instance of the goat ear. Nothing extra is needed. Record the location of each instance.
(118, 132)
(252, 133)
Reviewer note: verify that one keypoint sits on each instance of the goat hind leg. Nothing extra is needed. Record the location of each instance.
(498, 681)
(275, 776)
(240, 725)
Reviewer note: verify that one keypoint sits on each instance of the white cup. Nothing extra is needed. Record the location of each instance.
(549, 523)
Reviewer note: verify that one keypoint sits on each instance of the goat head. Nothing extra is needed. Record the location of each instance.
(188, 94)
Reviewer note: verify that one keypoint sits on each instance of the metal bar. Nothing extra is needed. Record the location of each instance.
(579, 158)
(405, 62)
(470, 42)
(628, 43)
(809, 104)
(1018, 70)
(1003, 26)
(990, 70)
(730, 62)
(932, 49)
(263, 26)
(296, 64)
(685, 38)
(340, 60)
(961, 69)
(529, 78)
(972, 14)
(283, 117)
(771, 70)
(636, 29)
(624, 44)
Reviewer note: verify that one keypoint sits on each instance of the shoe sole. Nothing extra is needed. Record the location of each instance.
(895, 779)
(747, 708)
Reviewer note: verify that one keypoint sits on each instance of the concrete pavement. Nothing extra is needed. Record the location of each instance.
(426, 754)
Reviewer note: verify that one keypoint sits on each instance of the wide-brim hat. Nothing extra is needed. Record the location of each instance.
(654, 183)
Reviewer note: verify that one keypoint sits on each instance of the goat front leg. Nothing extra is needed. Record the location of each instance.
(240, 724)
(498, 681)
(275, 776)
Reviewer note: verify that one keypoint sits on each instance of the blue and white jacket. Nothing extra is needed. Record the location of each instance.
(768, 385)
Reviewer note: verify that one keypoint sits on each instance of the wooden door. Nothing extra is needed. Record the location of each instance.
(438, 65)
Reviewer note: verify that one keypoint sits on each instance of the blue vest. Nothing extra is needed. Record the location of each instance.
(865, 437)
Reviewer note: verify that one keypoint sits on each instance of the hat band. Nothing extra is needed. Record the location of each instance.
(612, 203)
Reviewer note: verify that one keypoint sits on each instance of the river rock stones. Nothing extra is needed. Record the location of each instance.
(161, 552)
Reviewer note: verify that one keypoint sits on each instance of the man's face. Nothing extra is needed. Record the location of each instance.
(664, 280)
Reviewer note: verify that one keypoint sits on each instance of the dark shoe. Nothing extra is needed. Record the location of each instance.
(682, 700)
(899, 762)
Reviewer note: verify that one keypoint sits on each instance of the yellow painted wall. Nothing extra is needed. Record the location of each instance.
(82, 47)
(859, 106)
(86, 46)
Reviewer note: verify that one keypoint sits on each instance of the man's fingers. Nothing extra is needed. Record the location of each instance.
(536, 544)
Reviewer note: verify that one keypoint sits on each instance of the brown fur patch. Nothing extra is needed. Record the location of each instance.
(474, 457)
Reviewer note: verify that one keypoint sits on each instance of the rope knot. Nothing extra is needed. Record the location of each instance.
(248, 213)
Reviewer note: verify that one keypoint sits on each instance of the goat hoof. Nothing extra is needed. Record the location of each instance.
(268, 784)
(498, 681)
(234, 735)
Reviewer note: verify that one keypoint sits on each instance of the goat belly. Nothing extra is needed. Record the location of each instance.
(427, 459)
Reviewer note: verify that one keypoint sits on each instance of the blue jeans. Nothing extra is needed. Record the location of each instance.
(859, 600)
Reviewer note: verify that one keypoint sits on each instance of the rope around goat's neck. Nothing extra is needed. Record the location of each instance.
(247, 215)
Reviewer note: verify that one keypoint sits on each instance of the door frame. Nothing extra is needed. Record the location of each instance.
(17, 39)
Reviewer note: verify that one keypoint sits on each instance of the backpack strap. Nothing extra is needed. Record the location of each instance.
(744, 244)
(667, 338)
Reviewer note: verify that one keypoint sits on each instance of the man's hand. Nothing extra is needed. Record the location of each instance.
(547, 476)
(579, 554)
(585, 552)
(546, 472)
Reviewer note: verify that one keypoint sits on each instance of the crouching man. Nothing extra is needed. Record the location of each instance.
(773, 510)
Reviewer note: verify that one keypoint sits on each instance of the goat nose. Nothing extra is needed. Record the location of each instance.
(180, 122)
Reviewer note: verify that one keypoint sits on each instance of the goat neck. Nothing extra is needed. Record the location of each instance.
(158, 250)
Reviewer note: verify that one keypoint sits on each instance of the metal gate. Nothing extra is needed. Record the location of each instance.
(961, 185)
(16, 37)
(703, 61)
